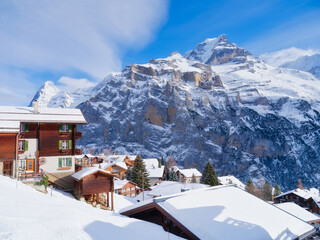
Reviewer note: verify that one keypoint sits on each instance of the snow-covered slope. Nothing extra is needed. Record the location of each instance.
(295, 58)
(286, 55)
(309, 64)
(28, 214)
(246, 117)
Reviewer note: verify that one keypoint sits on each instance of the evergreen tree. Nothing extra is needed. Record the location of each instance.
(172, 175)
(267, 191)
(159, 164)
(162, 161)
(129, 174)
(209, 175)
(250, 188)
(139, 173)
(277, 190)
(193, 179)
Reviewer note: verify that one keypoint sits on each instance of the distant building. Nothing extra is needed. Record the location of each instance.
(221, 212)
(119, 169)
(308, 199)
(155, 172)
(185, 175)
(126, 188)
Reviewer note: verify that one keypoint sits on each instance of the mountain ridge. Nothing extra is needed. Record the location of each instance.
(241, 114)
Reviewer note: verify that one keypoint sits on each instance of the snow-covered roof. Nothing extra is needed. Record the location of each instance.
(227, 180)
(151, 162)
(106, 165)
(87, 171)
(298, 211)
(9, 126)
(228, 212)
(118, 183)
(45, 115)
(83, 155)
(304, 193)
(156, 172)
(115, 158)
(168, 188)
(190, 172)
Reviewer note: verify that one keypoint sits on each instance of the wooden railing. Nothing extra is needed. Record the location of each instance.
(78, 151)
(77, 135)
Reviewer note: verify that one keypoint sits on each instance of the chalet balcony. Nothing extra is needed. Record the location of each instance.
(77, 135)
(78, 151)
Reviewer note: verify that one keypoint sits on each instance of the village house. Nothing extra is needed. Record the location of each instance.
(186, 175)
(37, 140)
(126, 188)
(93, 184)
(119, 169)
(213, 213)
(308, 199)
(155, 172)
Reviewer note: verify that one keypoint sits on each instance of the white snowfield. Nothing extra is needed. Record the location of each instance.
(228, 212)
(28, 214)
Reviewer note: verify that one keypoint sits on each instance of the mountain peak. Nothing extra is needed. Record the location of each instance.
(215, 51)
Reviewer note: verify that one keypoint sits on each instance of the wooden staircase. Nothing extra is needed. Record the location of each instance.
(62, 180)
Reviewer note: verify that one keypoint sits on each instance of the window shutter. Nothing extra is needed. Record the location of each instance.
(60, 162)
(60, 127)
(70, 162)
(60, 144)
(70, 144)
(27, 127)
(26, 145)
(70, 127)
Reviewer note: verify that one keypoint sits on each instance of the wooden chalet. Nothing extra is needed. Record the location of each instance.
(126, 188)
(307, 199)
(91, 182)
(186, 175)
(119, 169)
(44, 141)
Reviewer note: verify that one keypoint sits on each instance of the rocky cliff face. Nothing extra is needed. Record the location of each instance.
(219, 104)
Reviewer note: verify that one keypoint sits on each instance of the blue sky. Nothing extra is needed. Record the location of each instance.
(64, 41)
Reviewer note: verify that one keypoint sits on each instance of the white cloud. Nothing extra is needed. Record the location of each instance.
(88, 36)
(69, 84)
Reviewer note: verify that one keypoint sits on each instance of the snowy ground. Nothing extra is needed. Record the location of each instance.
(26, 213)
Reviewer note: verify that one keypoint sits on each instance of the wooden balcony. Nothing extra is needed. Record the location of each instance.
(77, 135)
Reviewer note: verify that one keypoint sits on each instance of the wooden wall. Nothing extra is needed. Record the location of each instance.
(7, 146)
(95, 183)
(32, 133)
(49, 137)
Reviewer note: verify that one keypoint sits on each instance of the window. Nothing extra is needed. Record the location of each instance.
(22, 164)
(123, 190)
(128, 189)
(24, 127)
(65, 162)
(65, 127)
(23, 145)
(132, 188)
(65, 144)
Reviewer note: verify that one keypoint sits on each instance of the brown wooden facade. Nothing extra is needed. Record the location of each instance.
(94, 184)
(130, 189)
(153, 213)
(8, 152)
(48, 135)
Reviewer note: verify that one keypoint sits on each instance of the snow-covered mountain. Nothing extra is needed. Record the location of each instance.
(295, 58)
(219, 103)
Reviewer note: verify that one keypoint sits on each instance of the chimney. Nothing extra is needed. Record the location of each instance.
(35, 106)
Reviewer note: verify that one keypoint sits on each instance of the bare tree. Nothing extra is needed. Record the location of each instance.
(107, 151)
(171, 162)
(300, 184)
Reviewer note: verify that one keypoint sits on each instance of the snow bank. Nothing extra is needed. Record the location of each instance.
(28, 214)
